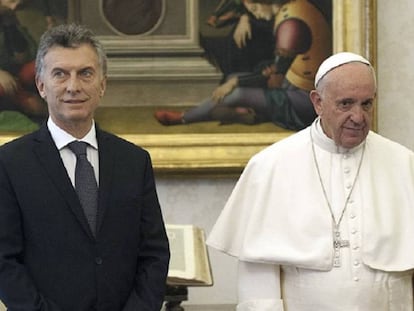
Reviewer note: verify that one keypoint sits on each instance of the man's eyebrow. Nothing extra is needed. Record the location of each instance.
(78, 70)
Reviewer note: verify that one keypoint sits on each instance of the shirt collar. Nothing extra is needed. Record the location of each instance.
(63, 138)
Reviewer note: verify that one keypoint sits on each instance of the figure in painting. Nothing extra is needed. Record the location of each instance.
(249, 40)
(277, 89)
(17, 52)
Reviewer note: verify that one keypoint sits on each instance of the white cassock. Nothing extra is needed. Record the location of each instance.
(278, 224)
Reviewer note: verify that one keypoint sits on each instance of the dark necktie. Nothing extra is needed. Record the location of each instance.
(85, 183)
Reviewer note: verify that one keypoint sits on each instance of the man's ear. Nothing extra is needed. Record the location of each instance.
(40, 87)
(103, 86)
(316, 101)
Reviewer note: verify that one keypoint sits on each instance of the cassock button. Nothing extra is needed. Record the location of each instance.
(98, 260)
(356, 279)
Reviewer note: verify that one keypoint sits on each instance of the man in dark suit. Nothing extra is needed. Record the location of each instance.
(53, 257)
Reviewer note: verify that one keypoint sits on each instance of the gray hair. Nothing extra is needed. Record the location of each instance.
(69, 36)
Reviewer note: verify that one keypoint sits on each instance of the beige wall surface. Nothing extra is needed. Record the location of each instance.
(200, 201)
(395, 70)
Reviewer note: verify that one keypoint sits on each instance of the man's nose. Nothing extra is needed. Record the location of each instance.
(73, 84)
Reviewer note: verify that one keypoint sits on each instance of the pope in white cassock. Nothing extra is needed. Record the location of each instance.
(323, 220)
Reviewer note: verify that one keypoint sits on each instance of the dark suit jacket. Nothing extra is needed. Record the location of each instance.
(49, 259)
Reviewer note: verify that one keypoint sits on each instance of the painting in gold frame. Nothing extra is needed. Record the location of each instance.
(195, 153)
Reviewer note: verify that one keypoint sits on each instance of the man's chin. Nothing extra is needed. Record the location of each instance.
(77, 116)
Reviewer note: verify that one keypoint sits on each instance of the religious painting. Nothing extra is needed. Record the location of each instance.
(171, 63)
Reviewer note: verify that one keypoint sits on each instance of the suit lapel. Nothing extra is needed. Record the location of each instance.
(50, 160)
(106, 169)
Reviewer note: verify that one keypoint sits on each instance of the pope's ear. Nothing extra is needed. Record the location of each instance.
(316, 101)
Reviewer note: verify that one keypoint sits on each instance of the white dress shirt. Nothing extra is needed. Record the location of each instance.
(63, 138)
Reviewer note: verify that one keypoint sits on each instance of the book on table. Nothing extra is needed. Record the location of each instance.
(189, 263)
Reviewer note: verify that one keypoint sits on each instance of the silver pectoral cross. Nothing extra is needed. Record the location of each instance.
(338, 244)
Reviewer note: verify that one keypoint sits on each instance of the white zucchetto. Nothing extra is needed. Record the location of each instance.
(337, 60)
